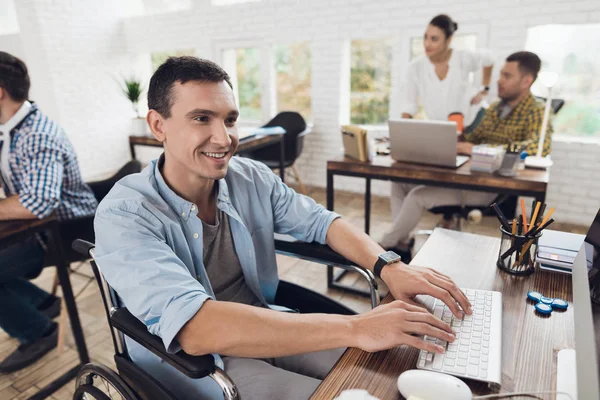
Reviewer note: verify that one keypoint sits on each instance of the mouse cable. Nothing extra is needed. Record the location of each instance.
(528, 394)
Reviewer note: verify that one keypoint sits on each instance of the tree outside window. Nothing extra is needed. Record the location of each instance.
(293, 77)
(571, 51)
(160, 57)
(370, 81)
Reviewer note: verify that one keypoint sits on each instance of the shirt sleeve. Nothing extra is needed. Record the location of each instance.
(478, 59)
(42, 156)
(298, 215)
(410, 94)
(533, 125)
(154, 284)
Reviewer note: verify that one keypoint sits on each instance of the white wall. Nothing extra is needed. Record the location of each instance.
(82, 45)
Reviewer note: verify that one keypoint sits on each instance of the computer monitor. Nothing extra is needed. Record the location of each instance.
(586, 299)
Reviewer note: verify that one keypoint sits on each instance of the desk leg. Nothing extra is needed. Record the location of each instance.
(132, 150)
(65, 283)
(281, 159)
(367, 205)
(330, 199)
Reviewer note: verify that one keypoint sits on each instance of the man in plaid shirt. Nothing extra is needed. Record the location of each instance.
(517, 118)
(40, 176)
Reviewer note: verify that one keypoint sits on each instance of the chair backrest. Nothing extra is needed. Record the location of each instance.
(101, 188)
(555, 104)
(294, 125)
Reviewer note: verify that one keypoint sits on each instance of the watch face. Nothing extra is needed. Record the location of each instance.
(390, 256)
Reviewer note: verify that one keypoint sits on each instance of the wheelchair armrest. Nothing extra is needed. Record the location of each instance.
(193, 366)
(323, 254)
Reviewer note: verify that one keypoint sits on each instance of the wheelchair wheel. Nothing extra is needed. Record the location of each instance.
(97, 382)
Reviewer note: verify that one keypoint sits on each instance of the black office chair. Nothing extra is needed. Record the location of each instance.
(555, 104)
(133, 383)
(293, 142)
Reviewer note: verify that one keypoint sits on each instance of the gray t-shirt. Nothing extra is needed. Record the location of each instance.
(222, 264)
(504, 111)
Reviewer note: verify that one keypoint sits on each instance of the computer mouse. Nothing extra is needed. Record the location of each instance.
(428, 385)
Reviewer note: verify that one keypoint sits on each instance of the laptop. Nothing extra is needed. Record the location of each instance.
(425, 142)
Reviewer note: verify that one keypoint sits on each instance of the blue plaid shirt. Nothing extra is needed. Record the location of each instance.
(45, 172)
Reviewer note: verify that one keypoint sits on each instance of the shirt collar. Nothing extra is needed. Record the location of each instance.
(183, 207)
(19, 116)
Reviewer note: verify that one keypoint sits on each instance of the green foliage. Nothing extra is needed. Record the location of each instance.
(160, 57)
(133, 90)
(293, 70)
(248, 80)
(370, 81)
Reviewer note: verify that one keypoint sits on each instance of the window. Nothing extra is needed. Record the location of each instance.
(293, 77)
(572, 52)
(243, 66)
(466, 41)
(370, 81)
(160, 57)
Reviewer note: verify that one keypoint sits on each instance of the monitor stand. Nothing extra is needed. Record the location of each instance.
(566, 374)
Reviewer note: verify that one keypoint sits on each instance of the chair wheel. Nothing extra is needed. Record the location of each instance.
(95, 381)
(475, 216)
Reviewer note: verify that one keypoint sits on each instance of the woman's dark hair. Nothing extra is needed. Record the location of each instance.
(14, 77)
(445, 23)
(180, 69)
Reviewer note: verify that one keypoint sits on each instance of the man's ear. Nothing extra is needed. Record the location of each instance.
(155, 122)
(527, 81)
(2, 93)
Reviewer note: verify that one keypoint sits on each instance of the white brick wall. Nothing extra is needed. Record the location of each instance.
(80, 46)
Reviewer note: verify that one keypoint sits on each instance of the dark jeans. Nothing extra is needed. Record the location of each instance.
(19, 298)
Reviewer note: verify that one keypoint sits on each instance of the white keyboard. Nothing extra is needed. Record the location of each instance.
(477, 351)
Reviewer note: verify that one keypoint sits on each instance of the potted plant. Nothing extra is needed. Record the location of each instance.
(133, 90)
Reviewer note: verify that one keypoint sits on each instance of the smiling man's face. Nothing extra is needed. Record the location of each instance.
(200, 135)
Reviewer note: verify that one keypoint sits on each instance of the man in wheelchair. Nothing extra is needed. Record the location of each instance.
(188, 246)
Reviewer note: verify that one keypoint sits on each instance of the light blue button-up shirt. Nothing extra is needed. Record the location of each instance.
(149, 249)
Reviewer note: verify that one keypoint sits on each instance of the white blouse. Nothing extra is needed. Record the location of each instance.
(439, 98)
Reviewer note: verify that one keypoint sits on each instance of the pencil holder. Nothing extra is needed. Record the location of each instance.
(522, 260)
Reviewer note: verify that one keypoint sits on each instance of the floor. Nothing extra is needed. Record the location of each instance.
(24, 383)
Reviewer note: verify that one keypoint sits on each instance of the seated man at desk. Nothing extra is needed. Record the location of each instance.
(516, 118)
(40, 176)
(188, 246)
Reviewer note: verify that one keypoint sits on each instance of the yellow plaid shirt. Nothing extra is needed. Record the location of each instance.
(522, 125)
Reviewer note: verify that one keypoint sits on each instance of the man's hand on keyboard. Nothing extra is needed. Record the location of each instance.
(407, 281)
(394, 324)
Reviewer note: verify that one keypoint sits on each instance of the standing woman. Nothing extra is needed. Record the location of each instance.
(439, 80)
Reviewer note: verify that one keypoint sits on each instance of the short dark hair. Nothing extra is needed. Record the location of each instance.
(529, 63)
(14, 77)
(445, 23)
(180, 69)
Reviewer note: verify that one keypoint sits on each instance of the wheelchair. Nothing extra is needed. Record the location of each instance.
(130, 382)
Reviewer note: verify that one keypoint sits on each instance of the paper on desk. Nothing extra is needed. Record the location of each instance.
(355, 394)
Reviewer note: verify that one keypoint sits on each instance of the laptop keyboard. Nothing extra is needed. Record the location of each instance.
(476, 352)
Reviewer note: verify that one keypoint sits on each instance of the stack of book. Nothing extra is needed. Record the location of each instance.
(557, 250)
(486, 158)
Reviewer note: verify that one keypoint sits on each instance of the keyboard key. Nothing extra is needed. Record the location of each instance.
(454, 370)
(451, 355)
(475, 347)
(449, 362)
(477, 334)
(447, 320)
(421, 363)
(474, 354)
(461, 362)
(423, 355)
(486, 331)
(485, 351)
(438, 312)
(466, 329)
(478, 328)
(484, 358)
(429, 357)
(468, 318)
(466, 335)
(464, 349)
(486, 337)
(463, 356)
(473, 361)
(467, 324)
(486, 344)
(472, 370)
(438, 361)
(483, 366)
(476, 340)
(482, 374)
(464, 341)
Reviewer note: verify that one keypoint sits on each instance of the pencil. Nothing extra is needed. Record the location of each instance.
(534, 217)
(547, 217)
(541, 213)
(524, 214)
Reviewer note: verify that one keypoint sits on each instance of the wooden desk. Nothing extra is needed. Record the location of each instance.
(248, 144)
(529, 182)
(529, 341)
(12, 232)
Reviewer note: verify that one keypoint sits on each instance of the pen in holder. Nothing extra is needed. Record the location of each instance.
(511, 160)
(517, 252)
